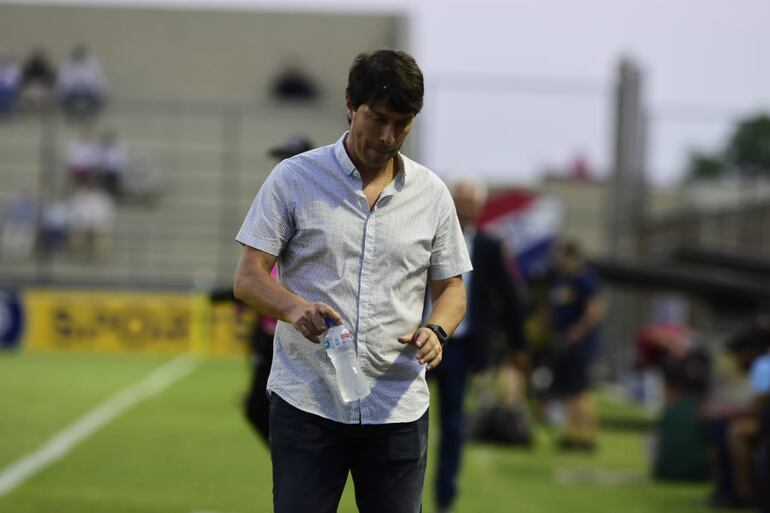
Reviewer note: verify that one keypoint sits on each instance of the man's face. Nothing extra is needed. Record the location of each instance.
(376, 134)
(467, 204)
(563, 262)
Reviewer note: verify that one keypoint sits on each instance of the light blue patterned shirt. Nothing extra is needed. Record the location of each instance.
(372, 267)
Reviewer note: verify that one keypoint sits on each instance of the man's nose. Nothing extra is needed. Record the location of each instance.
(388, 136)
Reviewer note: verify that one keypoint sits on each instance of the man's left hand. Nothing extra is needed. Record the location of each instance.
(429, 350)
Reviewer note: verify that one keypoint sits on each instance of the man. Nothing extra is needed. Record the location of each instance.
(358, 230)
(736, 428)
(577, 311)
(490, 290)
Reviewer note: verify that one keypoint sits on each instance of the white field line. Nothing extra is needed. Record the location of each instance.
(66, 439)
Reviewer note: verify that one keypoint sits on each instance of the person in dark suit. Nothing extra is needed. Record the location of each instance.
(492, 304)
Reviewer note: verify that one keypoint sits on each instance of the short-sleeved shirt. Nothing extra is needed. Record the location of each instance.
(759, 375)
(371, 266)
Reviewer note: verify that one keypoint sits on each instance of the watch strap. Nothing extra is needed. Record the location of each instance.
(440, 332)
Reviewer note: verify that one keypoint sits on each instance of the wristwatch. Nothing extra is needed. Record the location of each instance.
(440, 333)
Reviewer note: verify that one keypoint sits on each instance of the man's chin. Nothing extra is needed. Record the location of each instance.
(380, 159)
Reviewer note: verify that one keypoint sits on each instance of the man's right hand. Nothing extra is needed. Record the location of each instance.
(308, 319)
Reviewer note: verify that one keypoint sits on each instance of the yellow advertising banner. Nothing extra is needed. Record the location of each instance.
(146, 322)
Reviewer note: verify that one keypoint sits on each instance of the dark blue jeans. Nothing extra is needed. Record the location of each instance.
(451, 377)
(313, 455)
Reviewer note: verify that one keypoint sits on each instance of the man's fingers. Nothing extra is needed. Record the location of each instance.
(434, 363)
(327, 311)
(319, 325)
(428, 353)
(423, 335)
(406, 339)
(307, 333)
(433, 358)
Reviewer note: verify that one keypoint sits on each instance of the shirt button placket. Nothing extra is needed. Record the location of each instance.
(367, 314)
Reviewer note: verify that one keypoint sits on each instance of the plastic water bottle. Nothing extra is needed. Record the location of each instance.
(339, 345)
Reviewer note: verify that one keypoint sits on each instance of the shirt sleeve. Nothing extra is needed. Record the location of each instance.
(270, 222)
(760, 376)
(449, 255)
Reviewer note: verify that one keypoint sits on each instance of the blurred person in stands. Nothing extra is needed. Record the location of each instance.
(92, 218)
(142, 181)
(55, 224)
(38, 79)
(81, 84)
(576, 314)
(359, 231)
(736, 426)
(10, 80)
(492, 303)
(19, 225)
(113, 163)
(84, 157)
(294, 84)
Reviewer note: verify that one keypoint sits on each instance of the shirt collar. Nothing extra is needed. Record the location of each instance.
(349, 168)
(342, 155)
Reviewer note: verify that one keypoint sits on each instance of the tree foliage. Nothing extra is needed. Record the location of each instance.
(746, 153)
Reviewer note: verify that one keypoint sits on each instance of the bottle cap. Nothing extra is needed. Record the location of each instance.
(329, 322)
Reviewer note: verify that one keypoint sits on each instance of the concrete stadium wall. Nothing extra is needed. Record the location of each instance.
(200, 55)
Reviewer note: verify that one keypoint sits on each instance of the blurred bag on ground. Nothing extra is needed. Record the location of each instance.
(501, 423)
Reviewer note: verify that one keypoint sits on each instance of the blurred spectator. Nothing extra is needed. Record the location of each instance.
(672, 349)
(81, 83)
(736, 427)
(20, 224)
(142, 183)
(492, 304)
(9, 84)
(113, 163)
(55, 225)
(576, 313)
(92, 217)
(38, 78)
(83, 157)
(294, 84)
(681, 449)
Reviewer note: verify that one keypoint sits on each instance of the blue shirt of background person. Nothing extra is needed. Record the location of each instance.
(759, 375)
(570, 297)
(573, 295)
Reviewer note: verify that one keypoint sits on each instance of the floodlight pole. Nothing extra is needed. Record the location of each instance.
(626, 207)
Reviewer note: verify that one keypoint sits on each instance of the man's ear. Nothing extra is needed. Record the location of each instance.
(349, 110)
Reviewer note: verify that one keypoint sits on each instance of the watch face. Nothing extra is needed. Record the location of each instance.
(439, 331)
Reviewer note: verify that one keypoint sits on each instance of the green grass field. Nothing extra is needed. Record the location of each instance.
(188, 450)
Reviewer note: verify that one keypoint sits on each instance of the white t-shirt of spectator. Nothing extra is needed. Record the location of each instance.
(82, 75)
(92, 209)
(83, 154)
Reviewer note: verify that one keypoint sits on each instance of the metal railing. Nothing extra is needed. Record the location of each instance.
(210, 160)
